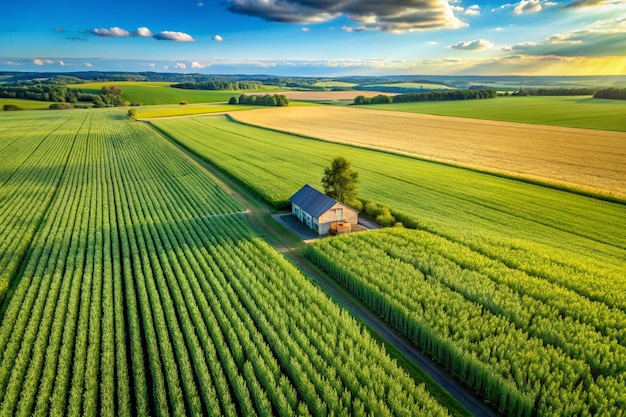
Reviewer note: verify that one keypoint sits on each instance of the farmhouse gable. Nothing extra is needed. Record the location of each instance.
(318, 211)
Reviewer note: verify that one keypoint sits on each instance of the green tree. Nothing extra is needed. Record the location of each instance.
(233, 100)
(132, 113)
(340, 180)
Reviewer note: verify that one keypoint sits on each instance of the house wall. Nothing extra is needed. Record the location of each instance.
(348, 215)
(322, 224)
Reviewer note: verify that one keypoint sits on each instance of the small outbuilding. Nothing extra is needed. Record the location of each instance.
(319, 211)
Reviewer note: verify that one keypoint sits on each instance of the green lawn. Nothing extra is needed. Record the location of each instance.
(578, 111)
(25, 104)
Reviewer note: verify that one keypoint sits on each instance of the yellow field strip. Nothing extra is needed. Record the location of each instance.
(586, 159)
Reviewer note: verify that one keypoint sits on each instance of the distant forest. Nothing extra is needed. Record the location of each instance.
(108, 96)
(446, 95)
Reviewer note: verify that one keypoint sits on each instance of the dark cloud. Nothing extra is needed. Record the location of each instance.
(396, 16)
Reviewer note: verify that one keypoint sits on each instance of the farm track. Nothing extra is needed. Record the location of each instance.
(259, 215)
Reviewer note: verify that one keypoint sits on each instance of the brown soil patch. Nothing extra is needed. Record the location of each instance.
(587, 159)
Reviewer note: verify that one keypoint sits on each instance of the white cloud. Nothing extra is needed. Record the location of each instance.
(115, 32)
(218, 38)
(174, 36)
(200, 4)
(475, 45)
(305, 29)
(527, 6)
(88, 64)
(38, 61)
(196, 64)
(351, 29)
(564, 39)
(473, 10)
(143, 31)
(432, 43)
(180, 65)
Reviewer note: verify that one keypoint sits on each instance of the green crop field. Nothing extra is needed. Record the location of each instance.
(537, 274)
(149, 93)
(522, 332)
(585, 112)
(137, 287)
(25, 104)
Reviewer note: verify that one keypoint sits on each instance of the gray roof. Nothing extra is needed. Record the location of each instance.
(313, 201)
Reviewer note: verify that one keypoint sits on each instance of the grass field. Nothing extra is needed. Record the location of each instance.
(413, 86)
(150, 93)
(138, 287)
(331, 84)
(172, 110)
(26, 104)
(581, 159)
(584, 112)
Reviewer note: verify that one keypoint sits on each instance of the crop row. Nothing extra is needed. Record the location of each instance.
(526, 344)
(33, 160)
(146, 293)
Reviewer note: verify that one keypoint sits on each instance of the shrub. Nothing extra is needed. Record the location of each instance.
(11, 107)
(61, 106)
(356, 204)
(371, 209)
(233, 100)
(385, 218)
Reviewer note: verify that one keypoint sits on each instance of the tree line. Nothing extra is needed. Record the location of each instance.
(428, 96)
(612, 93)
(576, 91)
(220, 85)
(258, 100)
(108, 96)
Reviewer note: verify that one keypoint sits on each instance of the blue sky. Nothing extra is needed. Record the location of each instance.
(317, 37)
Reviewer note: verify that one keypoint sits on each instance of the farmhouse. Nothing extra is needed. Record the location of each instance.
(318, 211)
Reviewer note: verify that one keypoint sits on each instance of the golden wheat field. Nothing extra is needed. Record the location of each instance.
(586, 159)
